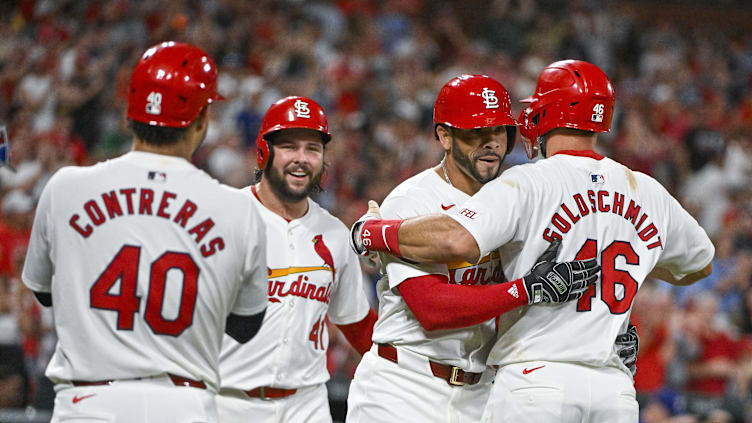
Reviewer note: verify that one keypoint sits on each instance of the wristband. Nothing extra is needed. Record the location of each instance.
(381, 235)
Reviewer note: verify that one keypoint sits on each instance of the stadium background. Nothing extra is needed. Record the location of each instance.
(683, 77)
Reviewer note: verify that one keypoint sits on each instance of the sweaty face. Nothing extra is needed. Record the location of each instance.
(480, 152)
(297, 164)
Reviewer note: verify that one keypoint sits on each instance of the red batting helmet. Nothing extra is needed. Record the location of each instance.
(287, 113)
(570, 94)
(170, 85)
(472, 102)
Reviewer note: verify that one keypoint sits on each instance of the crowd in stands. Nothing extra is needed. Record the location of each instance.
(683, 115)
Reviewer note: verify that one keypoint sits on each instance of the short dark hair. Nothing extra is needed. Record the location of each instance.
(158, 135)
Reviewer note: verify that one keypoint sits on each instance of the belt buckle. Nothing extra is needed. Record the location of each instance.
(262, 394)
(454, 377)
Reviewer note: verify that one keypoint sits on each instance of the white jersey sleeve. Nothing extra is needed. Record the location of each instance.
(403, 206)
(687, 248)
(37, 271)
(252, 297)
(493, 215)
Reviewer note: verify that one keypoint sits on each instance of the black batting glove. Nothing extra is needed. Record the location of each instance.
(627, 345)
(553, 282)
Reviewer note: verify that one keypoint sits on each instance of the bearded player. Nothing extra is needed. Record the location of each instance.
(313, 276)
(436, 322)
(558, 363)
(146, 260)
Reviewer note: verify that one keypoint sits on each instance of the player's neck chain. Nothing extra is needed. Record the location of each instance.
(446, 175)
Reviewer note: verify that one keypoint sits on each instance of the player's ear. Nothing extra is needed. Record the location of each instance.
(202, 120)
(444, 136)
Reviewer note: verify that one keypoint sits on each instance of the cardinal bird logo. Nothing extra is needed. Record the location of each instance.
(323, 251)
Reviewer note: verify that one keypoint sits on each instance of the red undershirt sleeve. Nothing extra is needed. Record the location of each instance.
(359, 334)
(439, 305)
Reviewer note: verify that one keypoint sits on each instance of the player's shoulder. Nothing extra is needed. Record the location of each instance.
(416, 189)
(645, 184)
(76, 174)
(323, 219)
(523, 174)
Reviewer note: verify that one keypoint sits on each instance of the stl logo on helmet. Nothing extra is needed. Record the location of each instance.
(154, 103)
(301, 109)
(490, 99)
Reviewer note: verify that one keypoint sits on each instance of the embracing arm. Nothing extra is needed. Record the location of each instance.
(436, 238)
(457, 306)
(433, 238)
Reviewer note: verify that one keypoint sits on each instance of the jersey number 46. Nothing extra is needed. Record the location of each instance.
(124, 267)
(610, 276)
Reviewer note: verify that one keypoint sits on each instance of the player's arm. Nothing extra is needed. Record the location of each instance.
(666, 275)
(450, 306)
(490, 218)
(687, 252)
(433, 238)
(38, 267)
(359, 334)
(247, 314)
(244, 328)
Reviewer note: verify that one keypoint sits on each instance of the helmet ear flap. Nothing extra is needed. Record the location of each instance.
(262, 152)
(530, 131)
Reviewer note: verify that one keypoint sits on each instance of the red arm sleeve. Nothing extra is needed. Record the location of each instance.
(359, 334)
(438, 305)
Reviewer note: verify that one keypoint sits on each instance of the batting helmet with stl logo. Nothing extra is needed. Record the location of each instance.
(171, 84)
(473, 102)
(570, 94)
(287, 113)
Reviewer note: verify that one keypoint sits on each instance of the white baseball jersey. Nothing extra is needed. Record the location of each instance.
(599, 208)
(312, 274)
(467, 348)
(145, 256)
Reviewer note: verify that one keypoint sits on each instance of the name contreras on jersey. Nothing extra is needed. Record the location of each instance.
(142, 205)
(570, 214)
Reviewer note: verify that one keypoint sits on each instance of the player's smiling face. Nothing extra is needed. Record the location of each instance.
(479, 152)
(297, 163)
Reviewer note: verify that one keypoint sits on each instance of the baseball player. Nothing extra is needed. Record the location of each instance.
(559, 363)
(146, 260)
(312, 277)
(428, 362)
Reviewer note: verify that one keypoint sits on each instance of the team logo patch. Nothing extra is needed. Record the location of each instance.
(490, 99)
(301, 109)
(597, 179)
(514, 291)
(157, 176)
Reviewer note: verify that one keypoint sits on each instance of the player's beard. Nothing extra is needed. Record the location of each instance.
(471, 165)
(279, 185)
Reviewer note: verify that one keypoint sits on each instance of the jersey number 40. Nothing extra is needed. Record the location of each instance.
(610, 276)
(126, 303)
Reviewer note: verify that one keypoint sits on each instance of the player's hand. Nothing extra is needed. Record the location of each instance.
(627, 345)
(356, 237)
(552, 282)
